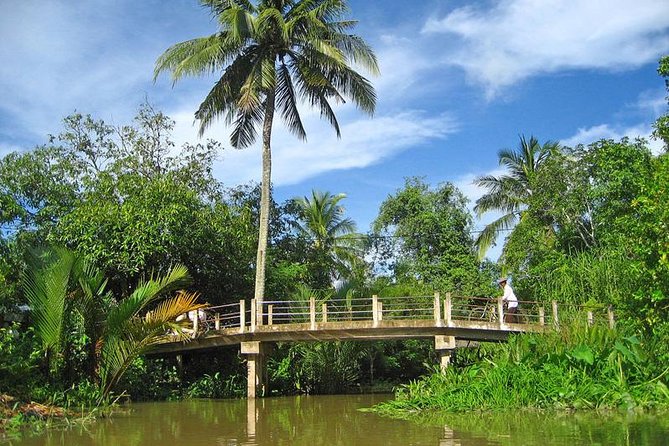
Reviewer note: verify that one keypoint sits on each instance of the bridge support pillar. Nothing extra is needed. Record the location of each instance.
(256, 362)
(445, 346)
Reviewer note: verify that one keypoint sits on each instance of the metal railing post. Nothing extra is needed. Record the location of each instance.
(612, 321)
(542, 316)
(500, 311)
(325, 312)
(270, 314)
(375, 310)
(217, 321)
(254, 314)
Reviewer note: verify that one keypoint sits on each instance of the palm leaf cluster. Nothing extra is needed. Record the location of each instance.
(510, 192)
(61, 284)
(333, 237)
(271, 54)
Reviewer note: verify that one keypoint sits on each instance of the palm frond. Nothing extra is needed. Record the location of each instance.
(140, 334)
(218, 7)
(145, 293)
(357, 51)
(45, 286)
(239, 22)
(197, 57)
(490, 233)
(224, 97)
(286, 100)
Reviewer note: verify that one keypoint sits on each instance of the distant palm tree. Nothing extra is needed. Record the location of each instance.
(272, 54)
(510, 192)
(61, 282)
(336, 246)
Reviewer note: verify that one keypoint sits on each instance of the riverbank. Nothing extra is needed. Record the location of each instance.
(16, 415)
(21, 418)
(579, 368)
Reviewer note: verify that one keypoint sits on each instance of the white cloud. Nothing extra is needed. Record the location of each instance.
(592, 134)
(398, 75)
(60, 56)
(365, 141)
(651, 104)
(517, 39)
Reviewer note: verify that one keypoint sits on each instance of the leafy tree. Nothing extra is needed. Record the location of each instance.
(661, 125)
(62, 282)
(510, 192)
(582, 207)
(272, 53)
(132, 203)
(132, 225)
(648, 238)
(36, 189)
(428, 237)
(334, 245)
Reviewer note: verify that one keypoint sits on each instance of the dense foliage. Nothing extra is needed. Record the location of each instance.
(423, 238)
(590, 228)
(114, 210)
(577, 368)
(272, 55)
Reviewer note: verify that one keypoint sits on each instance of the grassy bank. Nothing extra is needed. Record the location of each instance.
(579, 368)
(19, 418)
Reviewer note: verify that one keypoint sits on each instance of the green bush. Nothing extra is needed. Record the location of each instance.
(575, 368)
(217, 386)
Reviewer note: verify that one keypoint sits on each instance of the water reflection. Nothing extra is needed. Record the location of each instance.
(336, 420)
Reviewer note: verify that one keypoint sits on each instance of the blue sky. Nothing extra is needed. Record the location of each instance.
(459, 81)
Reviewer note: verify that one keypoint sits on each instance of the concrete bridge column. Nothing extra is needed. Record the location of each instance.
(445, 346)
(256, 363)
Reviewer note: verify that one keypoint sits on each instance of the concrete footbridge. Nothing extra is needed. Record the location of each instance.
(452, 321)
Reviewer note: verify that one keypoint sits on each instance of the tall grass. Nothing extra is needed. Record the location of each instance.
(581, 367)
(604, 277)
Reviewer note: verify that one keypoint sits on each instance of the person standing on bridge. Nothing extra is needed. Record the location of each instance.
(510, 301)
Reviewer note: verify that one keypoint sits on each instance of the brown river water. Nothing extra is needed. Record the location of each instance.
(336, 420)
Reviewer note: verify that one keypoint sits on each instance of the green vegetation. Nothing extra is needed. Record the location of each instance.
(511, 192)
(590, 229)
(97, 223)
(577, 368)
(272, 55)
(67, 294)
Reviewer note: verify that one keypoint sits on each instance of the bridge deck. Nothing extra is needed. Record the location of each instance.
(471, 319)
(349, 331)
(360, 319)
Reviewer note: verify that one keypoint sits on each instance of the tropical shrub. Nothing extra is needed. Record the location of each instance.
(575, 368)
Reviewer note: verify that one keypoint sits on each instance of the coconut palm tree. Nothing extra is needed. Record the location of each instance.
(510, 193)
(61, 282)
(271, 54)
(335, 245)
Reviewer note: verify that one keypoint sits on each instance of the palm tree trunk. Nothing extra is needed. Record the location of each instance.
(265, 192)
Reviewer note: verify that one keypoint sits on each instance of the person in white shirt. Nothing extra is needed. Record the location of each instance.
(510, 301)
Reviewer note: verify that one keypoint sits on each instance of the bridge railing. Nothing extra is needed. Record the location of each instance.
(446, 310)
